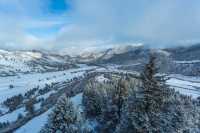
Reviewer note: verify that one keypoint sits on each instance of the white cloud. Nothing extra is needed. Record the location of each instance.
(99, 22)
(157, 22)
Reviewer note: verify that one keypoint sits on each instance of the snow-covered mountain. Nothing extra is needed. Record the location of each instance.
(107, 52)
(12, 62)
(182, 60)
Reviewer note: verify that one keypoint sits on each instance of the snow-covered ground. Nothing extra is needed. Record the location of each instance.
(25, 82)
(188, 62)
(101, 79)
(14, 62)
(10, 117)
(36, 124)
(185, 84)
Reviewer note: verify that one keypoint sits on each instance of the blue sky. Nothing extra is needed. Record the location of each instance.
(77, 24)
(58, 6)
(50, 9)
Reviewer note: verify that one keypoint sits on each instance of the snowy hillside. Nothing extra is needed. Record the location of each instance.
(12, 62)
(41, 87)
(107, 52)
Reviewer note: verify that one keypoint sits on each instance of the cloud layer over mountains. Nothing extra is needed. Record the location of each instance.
(37, 24)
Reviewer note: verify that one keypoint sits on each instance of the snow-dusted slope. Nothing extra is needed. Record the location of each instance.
(107, 52)
(38, 122)
(187, 85)
(25, 82)
(35, 125)
(12, 62)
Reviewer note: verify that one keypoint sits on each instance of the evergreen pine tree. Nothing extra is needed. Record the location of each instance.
(63, 119)
(92, 99)
(113, 110)
(142, 110)
(120, 95)
(30, 106)
(152, 92)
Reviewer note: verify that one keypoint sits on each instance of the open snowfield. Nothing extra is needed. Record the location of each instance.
(37, 123)
(24, 82)
(185, 84)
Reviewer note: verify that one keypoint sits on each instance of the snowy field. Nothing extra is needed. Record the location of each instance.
(23, 83)
(37, 123)
(185, 84)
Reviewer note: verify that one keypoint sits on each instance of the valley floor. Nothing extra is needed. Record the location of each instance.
(14, 85)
